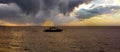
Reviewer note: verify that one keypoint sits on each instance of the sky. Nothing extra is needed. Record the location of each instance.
(59, 12)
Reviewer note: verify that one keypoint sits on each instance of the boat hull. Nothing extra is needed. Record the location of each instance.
(60, 30)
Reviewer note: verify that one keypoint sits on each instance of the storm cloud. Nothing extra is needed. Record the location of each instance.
(35, 11)
(33, 6)
(28, 6)
(66, 6)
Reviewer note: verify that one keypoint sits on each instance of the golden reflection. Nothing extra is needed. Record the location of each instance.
(10, 41)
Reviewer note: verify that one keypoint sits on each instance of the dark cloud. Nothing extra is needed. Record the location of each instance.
(15, 10)
(11, 13)
(88, 13)
(41, 9)
(67, 6)
(28, 6)
(33, 6)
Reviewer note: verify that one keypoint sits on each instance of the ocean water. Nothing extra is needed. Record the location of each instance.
(71, 39)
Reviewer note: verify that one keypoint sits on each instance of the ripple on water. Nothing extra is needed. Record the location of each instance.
(11, 41)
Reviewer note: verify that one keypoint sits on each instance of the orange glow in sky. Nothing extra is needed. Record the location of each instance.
(48, 22)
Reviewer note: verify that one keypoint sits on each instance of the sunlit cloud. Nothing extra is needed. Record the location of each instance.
(100, 20)
(48, 22)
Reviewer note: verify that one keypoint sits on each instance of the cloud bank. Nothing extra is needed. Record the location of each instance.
(59, 11)
(35, 11)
